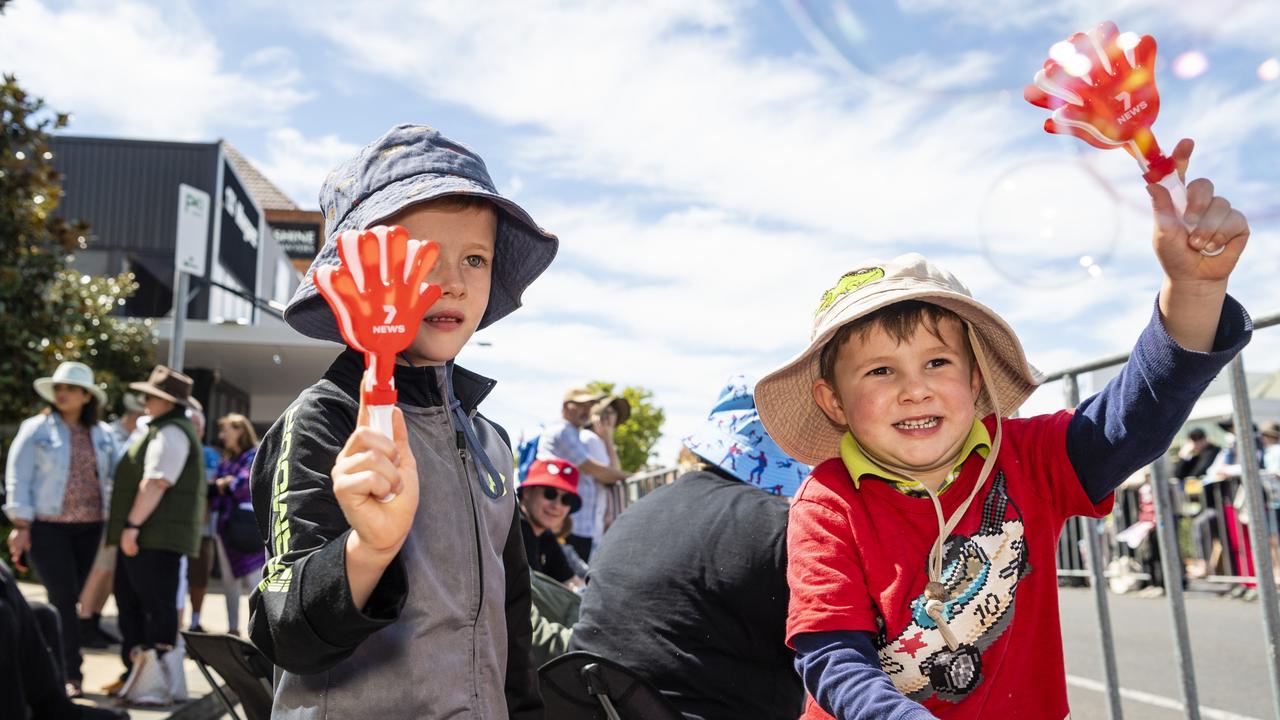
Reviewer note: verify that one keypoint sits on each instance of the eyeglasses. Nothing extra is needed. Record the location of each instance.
(551, 494)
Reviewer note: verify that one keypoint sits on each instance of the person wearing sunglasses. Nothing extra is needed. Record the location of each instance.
(547, 496)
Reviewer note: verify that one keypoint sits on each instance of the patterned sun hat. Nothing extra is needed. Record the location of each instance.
(785, 396)
(411, 164)
(734, 439)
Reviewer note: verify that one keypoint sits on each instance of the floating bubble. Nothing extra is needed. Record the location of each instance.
(1190, 64)
(1269, 70)
(1049, 223)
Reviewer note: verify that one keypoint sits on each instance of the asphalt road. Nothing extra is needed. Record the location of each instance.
(1228, 650)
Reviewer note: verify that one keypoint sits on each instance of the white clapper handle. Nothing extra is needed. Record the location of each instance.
(1178, 194)
(380, 420)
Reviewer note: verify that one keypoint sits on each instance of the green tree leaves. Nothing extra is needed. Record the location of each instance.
(51, 313)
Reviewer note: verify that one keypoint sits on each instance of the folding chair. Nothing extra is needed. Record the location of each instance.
(244, 668)
(584, 686)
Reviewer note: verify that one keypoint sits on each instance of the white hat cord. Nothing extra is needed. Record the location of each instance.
(935, 591)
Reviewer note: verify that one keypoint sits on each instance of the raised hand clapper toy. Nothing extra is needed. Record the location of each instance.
(379, 292)
(1101, 87)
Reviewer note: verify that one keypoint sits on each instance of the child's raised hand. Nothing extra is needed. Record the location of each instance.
(370, 467)
(1211, 225)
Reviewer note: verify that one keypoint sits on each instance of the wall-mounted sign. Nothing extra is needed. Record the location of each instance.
(238, 238)
(298, 240)
(192, 245)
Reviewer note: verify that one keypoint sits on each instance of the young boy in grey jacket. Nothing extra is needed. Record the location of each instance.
(416, 607)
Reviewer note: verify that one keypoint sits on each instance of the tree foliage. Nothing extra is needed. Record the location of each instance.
(636, 437)
(49, 311)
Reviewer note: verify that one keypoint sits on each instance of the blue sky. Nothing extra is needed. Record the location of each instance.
(711, 167)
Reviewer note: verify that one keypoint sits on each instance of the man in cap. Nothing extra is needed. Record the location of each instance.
(563, 439)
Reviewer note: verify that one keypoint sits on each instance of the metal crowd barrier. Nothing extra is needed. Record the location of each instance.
(1081, 556)
(637, 486)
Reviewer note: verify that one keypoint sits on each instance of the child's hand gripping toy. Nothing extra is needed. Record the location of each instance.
(1101, 87)
(379, 293)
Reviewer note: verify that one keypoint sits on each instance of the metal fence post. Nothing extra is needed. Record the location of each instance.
(1257, 510)
(1098, 581)
(1171, 564)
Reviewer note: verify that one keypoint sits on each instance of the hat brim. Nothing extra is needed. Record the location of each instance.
(586, 398)
(621, 408)
(522, 250)
(44, 388)
(574, 507)
(154, 391)
(785, 401)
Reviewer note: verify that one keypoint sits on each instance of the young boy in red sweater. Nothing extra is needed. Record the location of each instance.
(922, 548)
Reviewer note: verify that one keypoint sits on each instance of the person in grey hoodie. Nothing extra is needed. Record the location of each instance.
(418, 606)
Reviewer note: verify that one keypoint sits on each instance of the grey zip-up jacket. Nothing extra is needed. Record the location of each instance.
(446, 632)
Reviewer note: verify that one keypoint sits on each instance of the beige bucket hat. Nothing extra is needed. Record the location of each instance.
(784, 396)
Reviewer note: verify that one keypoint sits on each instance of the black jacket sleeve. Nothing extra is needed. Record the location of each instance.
(302, 615)
(523, 700)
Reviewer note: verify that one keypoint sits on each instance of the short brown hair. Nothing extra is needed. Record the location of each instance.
(899, 321)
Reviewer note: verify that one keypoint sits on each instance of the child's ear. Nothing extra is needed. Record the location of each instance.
(829, 402)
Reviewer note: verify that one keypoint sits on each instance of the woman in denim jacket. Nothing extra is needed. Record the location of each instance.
(58, 480)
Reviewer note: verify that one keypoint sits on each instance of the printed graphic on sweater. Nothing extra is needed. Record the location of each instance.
(277, 576)
(981, 574)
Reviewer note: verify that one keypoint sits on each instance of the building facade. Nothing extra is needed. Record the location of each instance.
(256, 245)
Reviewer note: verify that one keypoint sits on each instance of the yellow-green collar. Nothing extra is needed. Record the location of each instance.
(858, 465)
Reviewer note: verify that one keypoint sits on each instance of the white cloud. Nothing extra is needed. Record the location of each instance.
(771, 174)
(669, 98)
(141, 70)
(298, 164)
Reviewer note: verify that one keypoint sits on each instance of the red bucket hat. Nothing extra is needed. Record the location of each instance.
(555, 473)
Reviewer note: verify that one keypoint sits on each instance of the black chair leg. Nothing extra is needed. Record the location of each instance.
(231, 708)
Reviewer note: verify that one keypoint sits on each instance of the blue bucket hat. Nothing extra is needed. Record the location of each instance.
(734, 439)
(408, 165)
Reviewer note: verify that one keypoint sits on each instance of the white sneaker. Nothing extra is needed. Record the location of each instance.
(146, 684)
(174, 673)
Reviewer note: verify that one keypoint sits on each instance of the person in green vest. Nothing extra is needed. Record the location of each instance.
(157, 507)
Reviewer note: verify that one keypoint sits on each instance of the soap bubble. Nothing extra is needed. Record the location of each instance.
(1049, 223)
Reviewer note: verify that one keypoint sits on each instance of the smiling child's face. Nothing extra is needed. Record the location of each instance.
(912, 403)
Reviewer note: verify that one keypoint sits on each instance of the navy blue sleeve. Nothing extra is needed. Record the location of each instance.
(841, 672)
(1135, 417)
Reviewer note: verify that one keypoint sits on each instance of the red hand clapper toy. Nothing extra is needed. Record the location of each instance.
(1101, 87)
(379, 293)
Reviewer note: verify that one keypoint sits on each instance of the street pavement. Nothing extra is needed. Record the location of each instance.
(1228, 650)
(1228, 645)
(103, 666)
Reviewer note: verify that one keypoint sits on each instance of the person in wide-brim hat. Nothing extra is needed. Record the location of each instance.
(621, 407)
(410, 165)
(69, 373)
(167, 384)
(800, 427)
(57, 479)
